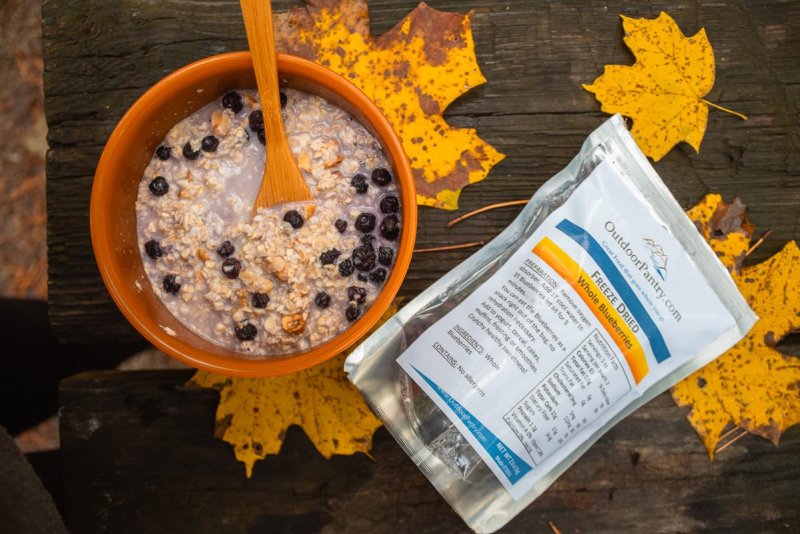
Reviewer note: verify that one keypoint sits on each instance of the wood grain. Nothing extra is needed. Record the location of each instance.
(100, 56)
(139, 456)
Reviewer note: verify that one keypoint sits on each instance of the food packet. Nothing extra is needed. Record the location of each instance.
(598, 297)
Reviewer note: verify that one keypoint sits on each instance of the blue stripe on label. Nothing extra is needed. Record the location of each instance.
(582, 237)
(507, 460)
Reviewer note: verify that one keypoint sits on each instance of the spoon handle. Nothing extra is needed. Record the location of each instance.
(257, 15)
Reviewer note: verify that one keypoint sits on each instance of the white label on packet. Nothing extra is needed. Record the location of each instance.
(600, 302)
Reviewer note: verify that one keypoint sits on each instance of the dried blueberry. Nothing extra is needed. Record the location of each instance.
(163, 152)
(390, 227)
(210, 144)
(341, 225)
(356, 294)
(294, 218)
(283, 100)
(362, 277)
(246, 331)
(260, 300)
(364, 258)
(329, 256)
(153, 249)
(352, 312)
(159, 186)
(385, 256)
(190, 154)
(226, 249)
(378, 275)
(171, 284)
(231, 268)
(381, 177)
(365, 222)
(346, 267)
(359, 182)
(390, 204)
(262, 137)
(323, 300)
(256, 120)
(232, 101)
(368, 240)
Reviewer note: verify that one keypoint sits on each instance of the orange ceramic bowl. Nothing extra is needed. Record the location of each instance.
(129, 150)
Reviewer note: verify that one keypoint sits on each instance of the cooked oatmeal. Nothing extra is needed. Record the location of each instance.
(289, 277)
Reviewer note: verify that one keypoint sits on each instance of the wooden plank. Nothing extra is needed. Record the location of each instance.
(139, 456)
(100, 56)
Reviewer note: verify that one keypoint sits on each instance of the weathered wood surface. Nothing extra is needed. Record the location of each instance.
(139, 456)
(100, 56)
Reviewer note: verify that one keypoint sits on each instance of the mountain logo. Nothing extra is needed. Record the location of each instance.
(658, 257)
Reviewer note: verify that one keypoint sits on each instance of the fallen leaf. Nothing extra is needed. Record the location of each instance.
(663, 91)
(752, 385)
(412, 72)
(254, 413)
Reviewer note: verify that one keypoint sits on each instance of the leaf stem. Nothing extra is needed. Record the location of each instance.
(731, 442)
(450, 247)
(713, 105)
(757, 243)
(487, 208)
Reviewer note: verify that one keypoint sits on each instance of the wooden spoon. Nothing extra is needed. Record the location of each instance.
(282, 181)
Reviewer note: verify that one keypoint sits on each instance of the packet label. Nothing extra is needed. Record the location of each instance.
(599, 304)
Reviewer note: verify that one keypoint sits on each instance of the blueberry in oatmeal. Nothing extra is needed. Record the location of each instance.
(329, 256)
(365, 222)
(170, 284)
(364, 258)
(283, 99)
(159, 186)
(190, 153)
(153, 249)
(163, 153)
(346, 267)
(209, 143)
(385, 256)
(260, 300)
(231, 268)
(283, 287)
(378, 275)
(323, 300)
(294, 219)
(390, 228)
(256, 121)
(352, 312)
(226, 249)
(359, 183)
(381, 177)
(390, 204)
(246, 331)
(356, 294)
(232, 101)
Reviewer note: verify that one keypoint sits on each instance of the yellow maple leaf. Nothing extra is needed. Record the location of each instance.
(254, 413)
(752, 385)
(663, 91)
(412, 72)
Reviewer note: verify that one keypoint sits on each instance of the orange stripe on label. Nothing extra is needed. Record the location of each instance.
(598, 303)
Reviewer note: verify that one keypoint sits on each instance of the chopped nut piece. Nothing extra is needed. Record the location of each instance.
(220, 123)
(293, 324)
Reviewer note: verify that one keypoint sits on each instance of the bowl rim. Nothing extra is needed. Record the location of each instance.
(233, 366)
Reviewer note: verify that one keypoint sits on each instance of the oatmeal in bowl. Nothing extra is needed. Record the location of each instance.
(212, 282)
